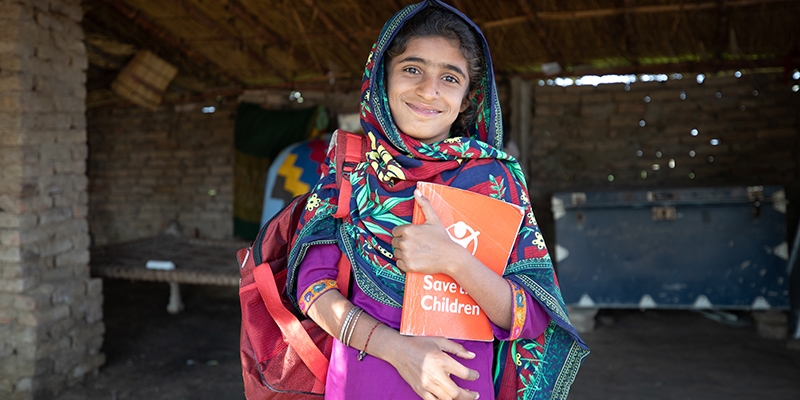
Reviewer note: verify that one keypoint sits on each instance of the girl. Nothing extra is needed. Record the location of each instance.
(430, 112)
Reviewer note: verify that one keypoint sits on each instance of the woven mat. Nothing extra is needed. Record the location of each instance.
(200, 262)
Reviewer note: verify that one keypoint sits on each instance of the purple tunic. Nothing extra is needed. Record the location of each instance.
(372, 378)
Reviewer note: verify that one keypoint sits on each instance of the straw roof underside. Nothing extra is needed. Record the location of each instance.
(230, 45)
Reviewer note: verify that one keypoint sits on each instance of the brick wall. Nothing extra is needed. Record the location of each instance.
(148, 168)
(614, 136)
(51, 326)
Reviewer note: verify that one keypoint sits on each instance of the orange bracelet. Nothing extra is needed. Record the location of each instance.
(363, 352)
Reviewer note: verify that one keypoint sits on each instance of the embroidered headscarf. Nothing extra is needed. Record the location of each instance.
(382, 198)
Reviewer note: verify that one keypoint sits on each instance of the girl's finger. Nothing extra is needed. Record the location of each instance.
(427, 208)
(449, 346)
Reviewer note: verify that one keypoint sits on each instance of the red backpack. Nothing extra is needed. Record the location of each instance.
(285, 355)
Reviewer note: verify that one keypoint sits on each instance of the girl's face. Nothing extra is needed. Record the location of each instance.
(427, 87)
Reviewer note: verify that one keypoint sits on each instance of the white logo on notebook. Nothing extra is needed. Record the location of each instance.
(464, 235)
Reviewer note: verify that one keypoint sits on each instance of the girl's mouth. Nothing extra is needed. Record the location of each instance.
(423, 110)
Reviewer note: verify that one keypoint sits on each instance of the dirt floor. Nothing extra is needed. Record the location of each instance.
(635, 355)
(151, 354)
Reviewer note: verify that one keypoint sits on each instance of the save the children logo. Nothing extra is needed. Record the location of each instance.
(464, 235)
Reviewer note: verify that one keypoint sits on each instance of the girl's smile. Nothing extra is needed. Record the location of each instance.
(427, 87)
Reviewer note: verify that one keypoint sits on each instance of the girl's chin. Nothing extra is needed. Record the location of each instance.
(423, 133)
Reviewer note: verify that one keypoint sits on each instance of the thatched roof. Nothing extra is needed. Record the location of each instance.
(222, 46)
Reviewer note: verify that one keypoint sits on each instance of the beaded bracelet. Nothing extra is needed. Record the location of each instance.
(363, 352)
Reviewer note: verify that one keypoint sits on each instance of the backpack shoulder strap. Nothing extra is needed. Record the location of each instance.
(343, 278)
(349, 152)
(293, 331)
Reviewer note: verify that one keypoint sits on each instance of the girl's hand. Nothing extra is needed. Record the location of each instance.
(427, 363)
(425, 248)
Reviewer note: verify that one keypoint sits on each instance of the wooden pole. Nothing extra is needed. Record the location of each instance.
(610, 12)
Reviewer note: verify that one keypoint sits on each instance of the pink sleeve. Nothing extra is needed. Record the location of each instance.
(317, 274)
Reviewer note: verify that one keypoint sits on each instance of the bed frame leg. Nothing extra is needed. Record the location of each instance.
(175, 304)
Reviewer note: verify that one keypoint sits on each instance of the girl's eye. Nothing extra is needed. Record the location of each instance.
(451, 79)
(411, 70)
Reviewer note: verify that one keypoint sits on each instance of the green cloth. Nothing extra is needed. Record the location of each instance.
(260, 135)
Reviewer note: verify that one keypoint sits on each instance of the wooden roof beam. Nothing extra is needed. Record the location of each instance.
(631, 37)
(534, 21)
(332, 28)
(240, 12)
(723, 29)
(680, 67)
(610, 12)
(202, 18)
(146, 25)
(459, 5)
(395, 5)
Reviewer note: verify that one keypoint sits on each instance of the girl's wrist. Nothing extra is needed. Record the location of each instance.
(363, 352)
(382, 343)
(456, 259)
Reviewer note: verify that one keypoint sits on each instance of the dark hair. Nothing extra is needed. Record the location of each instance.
(436, 21)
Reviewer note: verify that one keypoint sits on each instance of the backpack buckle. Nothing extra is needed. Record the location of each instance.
(347, 168)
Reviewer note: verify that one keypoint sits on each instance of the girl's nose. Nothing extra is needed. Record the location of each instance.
(428, 87)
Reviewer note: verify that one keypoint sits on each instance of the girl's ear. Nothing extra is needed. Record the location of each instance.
(467, 100)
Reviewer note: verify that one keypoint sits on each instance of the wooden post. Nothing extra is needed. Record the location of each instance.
(521, 120)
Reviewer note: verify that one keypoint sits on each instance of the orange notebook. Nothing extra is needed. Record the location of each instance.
(435, 305)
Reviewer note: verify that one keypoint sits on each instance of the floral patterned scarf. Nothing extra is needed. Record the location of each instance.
(382, 198)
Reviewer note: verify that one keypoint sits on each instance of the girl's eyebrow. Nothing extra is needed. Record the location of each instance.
(446, 66)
